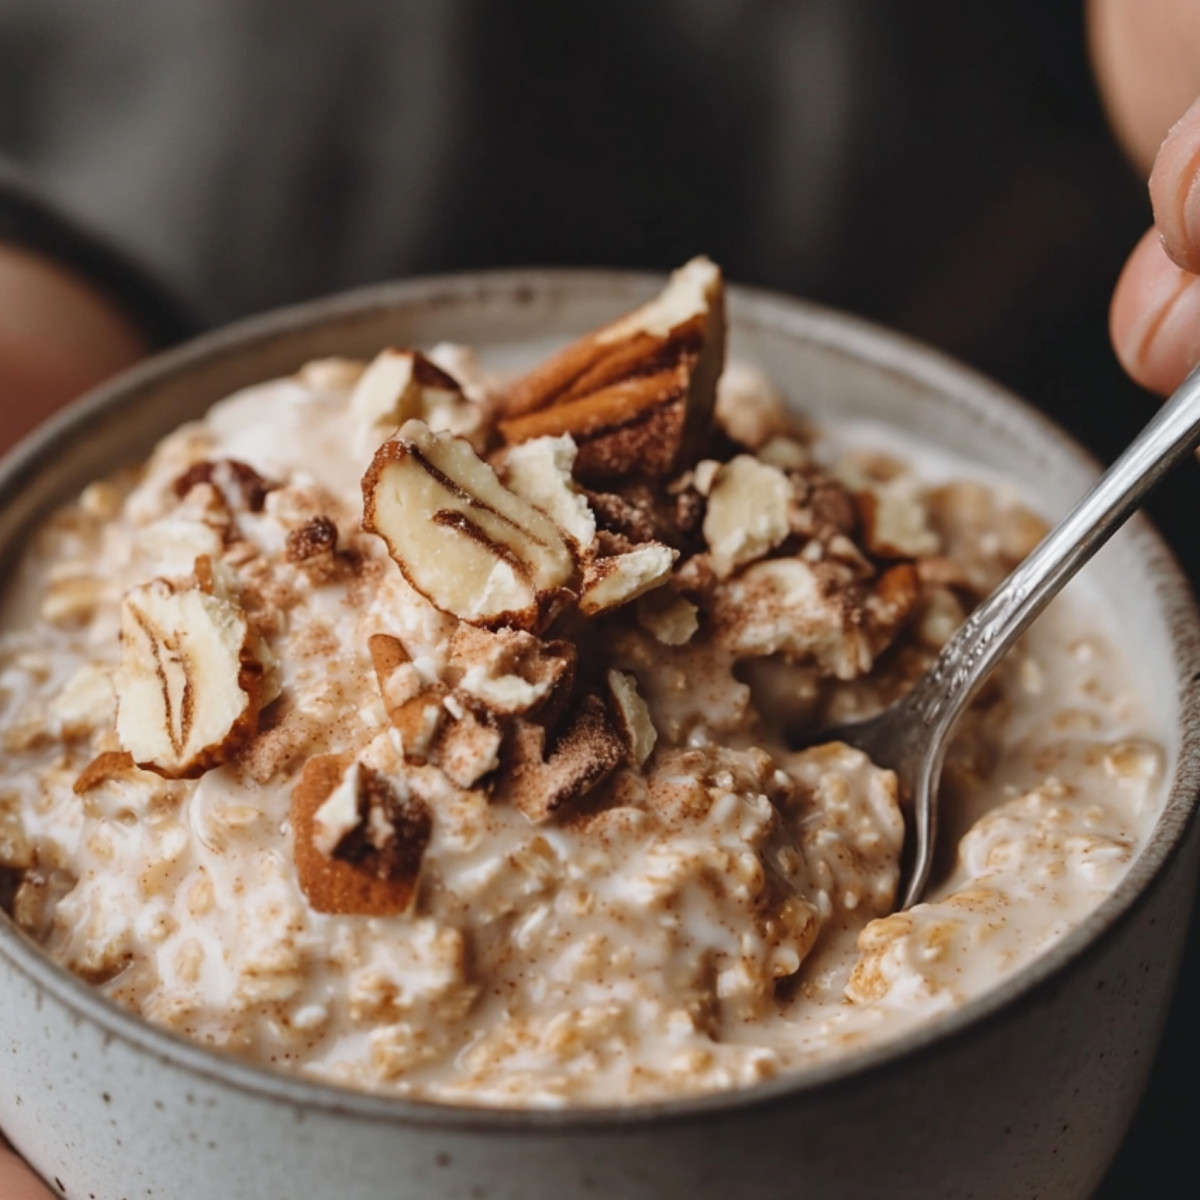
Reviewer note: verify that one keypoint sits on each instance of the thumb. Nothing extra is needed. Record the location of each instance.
(1175, 191)
(1155, 315)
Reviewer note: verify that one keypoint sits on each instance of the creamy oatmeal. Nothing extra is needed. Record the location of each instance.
(429, 734)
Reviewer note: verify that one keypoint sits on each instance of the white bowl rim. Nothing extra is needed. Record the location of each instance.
(843, 333)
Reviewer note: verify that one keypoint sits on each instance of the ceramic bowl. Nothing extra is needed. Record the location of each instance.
(1025, 1091)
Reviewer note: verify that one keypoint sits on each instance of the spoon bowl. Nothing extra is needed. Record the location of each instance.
(912, 736)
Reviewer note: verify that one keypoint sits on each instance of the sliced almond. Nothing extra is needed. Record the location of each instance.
(747, 514)
(189, 687)
(612, 581)
(370, 867)
(586, 753)
(633, 716)
(637, 395)
(462, 539)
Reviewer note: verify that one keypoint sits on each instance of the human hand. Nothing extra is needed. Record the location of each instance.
(17, 1181)
(58, 337)
(1147, 60)
(1155, 315)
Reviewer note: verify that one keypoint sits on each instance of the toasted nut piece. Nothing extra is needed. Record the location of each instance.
(414, 705)
(705, 475)
(633, 716)
(611, 582)
(668, 616)
(469, 746)
(895, 523)
(189, 687)
(747, 513)
(398, 386)
(103, 766)
(638, 395)
(317, 537)
(238, 483)
(510, 672)
(749, 409)
(461, 538)
(540, 471)
(588, 750)
(369, 867)
(890, 603)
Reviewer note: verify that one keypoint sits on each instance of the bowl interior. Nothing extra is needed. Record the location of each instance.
(830, 367)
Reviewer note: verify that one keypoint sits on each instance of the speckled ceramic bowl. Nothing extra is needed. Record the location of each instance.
(1024, 1092)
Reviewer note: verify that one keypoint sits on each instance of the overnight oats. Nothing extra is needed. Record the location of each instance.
(432, 733)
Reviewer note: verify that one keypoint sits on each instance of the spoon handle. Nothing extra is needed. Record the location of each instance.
(984, 638)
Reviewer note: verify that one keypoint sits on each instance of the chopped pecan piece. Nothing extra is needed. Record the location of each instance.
(466, 542)
(317, 536)
(544, 786)
(190, 686)
(238, 482)
(638, 395)
(359, 838)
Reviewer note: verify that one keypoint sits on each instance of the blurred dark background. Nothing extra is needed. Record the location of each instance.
(942, 167)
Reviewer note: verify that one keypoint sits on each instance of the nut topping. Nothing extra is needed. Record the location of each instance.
(398, 386)
(239, 484)
(612, 581)
(317, 537)
(584, 755)
(510, 672)
(462, 539)
(359, 838)
(747, 513)
(638, 395)
(540, 471)
(189, 686)
(414, 705)
(633, 716)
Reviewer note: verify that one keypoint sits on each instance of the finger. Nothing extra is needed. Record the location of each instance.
(1146, 54)
(58, 338)
(1175, 190)
(17, 1181)
(1155, 317)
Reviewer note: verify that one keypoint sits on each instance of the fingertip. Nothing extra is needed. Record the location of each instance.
(1175, 190)
(1155, 317)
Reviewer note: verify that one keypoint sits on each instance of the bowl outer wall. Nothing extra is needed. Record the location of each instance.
(1029, 1088)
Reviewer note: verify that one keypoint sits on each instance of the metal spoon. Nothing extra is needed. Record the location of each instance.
(911, 737)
